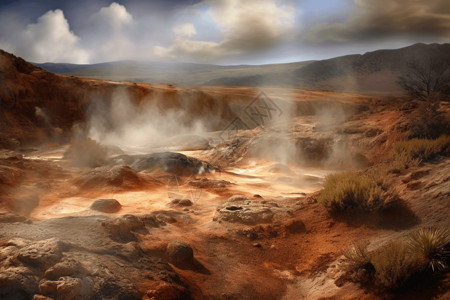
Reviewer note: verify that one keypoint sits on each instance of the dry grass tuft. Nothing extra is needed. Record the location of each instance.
(394, 266)
(432, 246)
(351, 191)
(412, 152)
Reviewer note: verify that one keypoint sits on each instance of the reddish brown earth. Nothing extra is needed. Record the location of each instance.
(252, 221)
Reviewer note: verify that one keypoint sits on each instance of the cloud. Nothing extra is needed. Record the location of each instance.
(185, 30)
(107, 33)
(106, 37)
(250, 26)
(115, 15)
(376, 20)
(49, 39)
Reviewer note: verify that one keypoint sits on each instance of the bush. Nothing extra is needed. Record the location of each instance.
(427, 121)
(350, 191)
(412, 152)
(358, 257)
(432, 247)
(393, 265)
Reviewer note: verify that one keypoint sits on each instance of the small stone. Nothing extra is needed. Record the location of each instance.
(257, 245)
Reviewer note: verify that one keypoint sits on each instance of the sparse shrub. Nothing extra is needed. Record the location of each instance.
(393, 265)
(432, 247)
(348, 191)
(412, 152)
(427, 121)
(357, 256)
(400, 263)
(357, 265)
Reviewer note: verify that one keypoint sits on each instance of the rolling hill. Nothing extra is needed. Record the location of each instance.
(372, 72)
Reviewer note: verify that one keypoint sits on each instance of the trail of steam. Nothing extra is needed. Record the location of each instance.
(137, 127)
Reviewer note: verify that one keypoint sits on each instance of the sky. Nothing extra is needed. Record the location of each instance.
(226, 32)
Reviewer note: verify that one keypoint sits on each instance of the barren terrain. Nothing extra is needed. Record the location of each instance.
(206, 207)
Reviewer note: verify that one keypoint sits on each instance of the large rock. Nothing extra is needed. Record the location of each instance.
(66, 267)
(42, 254)
(110, 176)
(106, 205)
(122, 228)
(17, 283)
(66, 288)
(171, 162)
(239, 209)
(179, 253)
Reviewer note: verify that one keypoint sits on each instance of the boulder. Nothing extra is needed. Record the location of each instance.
(295, 226)
(122, 228)
(66, 267)
(106, 205)
(66, 288)
(109, 176)
(181, 202)
(239, 209)
(43, 254)
(171, 162)
(179, 253)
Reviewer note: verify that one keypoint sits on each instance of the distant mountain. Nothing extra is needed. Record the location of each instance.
(375, 71)
(174, 73)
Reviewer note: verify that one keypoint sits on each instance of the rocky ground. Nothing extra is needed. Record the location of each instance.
(230, 213)
(245, 227)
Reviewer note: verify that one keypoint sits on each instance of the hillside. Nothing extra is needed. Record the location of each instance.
(372, 72)
(36, 105)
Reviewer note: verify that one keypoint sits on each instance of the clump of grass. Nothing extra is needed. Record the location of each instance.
(358, 256)
(393, 265)
(432, 246)
(351, 191)
(398, 263)
(414, 151)
(358, 259)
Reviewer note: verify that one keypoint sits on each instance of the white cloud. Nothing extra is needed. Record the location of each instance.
(49, 39)
(115, 15)
(107, 34)
(185, 30)
(246, 26)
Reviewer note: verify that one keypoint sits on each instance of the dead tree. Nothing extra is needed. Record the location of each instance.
(427, 80)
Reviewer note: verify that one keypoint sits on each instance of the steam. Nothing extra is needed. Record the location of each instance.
(276, 142)
(138, 127)
(53, 133)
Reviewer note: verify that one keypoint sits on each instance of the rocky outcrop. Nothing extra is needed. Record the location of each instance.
(171, 162)
(76, 258)
(239, 209)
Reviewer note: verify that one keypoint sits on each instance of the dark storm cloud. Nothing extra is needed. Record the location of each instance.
(374, 20)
